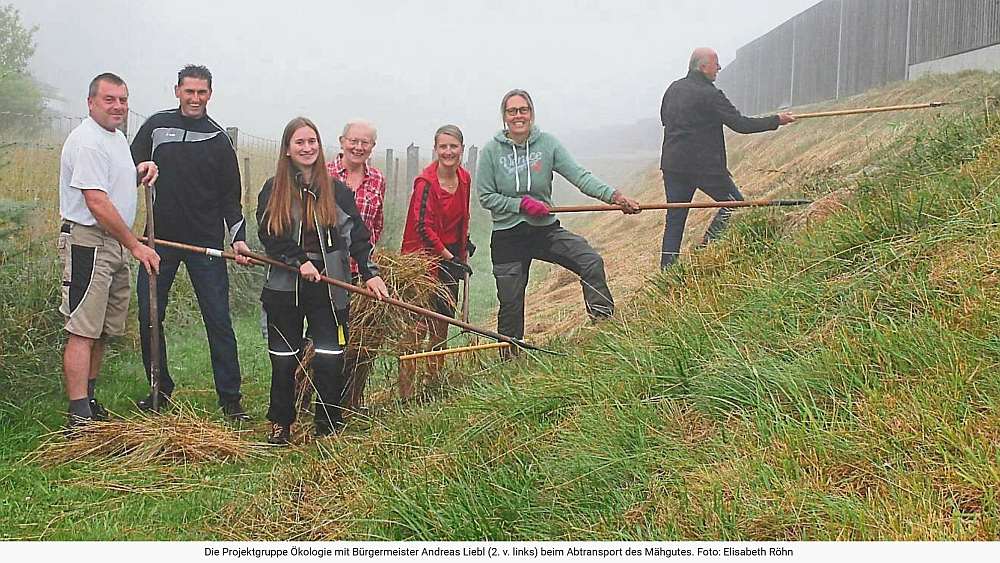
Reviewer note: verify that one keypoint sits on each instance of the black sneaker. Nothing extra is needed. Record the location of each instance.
(98, 411)
(280, 434)
(326, 428)
(147, 403)
(234, 411)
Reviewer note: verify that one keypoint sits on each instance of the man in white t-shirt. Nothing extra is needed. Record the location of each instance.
(97, 202)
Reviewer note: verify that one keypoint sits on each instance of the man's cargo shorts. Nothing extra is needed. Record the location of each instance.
(95, 281)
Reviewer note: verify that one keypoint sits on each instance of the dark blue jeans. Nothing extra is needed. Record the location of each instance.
(680, 188)
(211, 286)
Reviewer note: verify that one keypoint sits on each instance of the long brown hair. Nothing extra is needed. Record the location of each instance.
(285, 191)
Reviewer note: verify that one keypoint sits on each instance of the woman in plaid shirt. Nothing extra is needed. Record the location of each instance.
(368, 184)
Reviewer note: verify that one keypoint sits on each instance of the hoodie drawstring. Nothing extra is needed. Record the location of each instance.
(527, 165)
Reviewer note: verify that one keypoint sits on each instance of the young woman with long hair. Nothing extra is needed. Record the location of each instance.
(310, 221)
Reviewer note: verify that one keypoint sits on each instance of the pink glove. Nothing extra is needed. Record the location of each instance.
(533, 208)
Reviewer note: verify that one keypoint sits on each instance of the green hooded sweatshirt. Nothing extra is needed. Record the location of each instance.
(501, 185)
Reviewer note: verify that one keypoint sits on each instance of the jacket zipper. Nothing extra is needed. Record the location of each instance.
(326, 267)
(298, 279)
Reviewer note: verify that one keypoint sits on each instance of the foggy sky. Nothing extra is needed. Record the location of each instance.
(407, 66)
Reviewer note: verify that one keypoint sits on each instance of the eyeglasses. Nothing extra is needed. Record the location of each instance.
(523, 110)
(363, 143)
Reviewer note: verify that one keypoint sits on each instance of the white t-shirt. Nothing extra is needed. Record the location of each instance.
(95, 158)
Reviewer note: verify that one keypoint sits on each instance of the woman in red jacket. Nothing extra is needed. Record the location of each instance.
(437, 224)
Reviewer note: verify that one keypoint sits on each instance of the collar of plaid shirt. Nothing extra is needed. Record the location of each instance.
(341, 170)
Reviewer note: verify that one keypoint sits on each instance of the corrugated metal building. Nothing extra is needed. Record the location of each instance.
(843, 47)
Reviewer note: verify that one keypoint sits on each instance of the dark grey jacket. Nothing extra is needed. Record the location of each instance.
(693, 113)
(350, 239)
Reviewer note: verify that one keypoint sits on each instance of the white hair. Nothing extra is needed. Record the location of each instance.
(360, 123)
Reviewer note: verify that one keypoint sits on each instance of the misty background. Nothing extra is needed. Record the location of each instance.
(596, 70)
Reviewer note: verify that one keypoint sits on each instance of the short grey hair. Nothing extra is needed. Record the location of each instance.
(360, 123)
(698, 59)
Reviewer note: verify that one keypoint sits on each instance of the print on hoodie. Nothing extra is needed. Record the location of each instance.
(508, 172)
(522, 162)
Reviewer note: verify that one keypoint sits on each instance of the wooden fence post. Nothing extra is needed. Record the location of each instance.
(247, 190)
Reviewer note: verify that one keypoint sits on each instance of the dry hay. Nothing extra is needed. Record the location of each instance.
(179, 437)
(377, 327)
(820, 209)
(317, 499)
(303, 378)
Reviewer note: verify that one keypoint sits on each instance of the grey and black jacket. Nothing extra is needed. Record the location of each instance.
(198, 191)
(349, 239)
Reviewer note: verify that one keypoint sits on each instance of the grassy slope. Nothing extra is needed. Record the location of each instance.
(832, 383)
(836, 381)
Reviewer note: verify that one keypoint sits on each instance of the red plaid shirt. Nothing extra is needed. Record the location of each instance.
(369, 197)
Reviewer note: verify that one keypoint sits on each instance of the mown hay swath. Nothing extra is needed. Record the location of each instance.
(179, 437)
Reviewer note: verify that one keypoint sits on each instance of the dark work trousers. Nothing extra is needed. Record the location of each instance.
(449, 278)
(211, 286)
(680, 188)
(285, 323)
(512, 252)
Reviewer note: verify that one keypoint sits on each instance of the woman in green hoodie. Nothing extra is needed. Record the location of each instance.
(514, 182)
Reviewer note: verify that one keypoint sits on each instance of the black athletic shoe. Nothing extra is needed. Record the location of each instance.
(147, 403)
(280, 434)
(326, 428)
(98, 411)
(234, 411)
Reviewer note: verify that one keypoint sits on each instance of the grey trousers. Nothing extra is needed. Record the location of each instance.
(680, 188)
(512, 252)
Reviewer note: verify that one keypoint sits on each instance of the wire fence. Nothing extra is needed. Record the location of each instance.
(30, 147)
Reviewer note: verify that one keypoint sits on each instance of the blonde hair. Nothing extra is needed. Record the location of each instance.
(452, 130)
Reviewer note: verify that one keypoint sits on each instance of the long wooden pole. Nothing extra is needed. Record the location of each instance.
(260, 259)
(154, 308)
(459, 350)
(839, 112)
(685, 205)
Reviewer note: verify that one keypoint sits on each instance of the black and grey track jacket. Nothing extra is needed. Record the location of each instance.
(197, 196)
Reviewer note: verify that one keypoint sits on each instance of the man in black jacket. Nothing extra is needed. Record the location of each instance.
(694, 149)
(197, 201)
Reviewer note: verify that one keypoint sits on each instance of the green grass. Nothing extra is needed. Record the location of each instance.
(834, 382)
